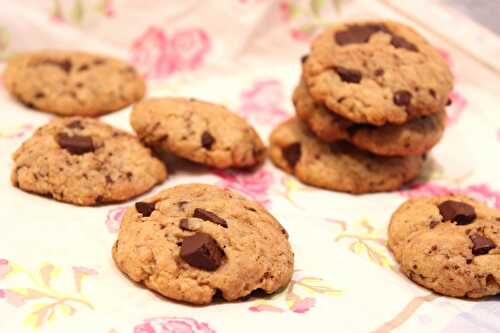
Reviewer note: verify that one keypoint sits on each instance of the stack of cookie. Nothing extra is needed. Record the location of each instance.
(370, 104)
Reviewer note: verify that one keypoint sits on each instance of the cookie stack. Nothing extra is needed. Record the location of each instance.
(370, 104)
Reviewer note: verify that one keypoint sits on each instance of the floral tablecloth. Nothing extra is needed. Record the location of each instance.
(56, 271)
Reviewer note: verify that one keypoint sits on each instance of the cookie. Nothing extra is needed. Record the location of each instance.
(415, 137)
(192, 241)
(337, 166)
(85, 162)
(377, 72)
(71, 83)
(448, 244)
(199, 131)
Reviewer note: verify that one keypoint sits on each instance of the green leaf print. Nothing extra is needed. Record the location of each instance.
(316, 6)
(337, 4)
(4, 43)
(78, 12)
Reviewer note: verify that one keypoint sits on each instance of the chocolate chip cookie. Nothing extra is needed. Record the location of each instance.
(415, 137)
(448, 244)
(377, 72)
(192, 241)
(199, 131)
(71, 83)
(85, 162)
(338, 166)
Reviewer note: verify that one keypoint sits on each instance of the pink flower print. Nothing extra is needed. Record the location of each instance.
(425, 189)
(299, 35)
(189, 47)
(480, 192)
(158, 56)
(172, 325)
(303, 305)
(264, 102)
(254, 185)
(455, 110)
(114, 219)
(285, 11)
(265, 308)
(446, 56)
(4, 268)
(2, 293)
(108, 9)
(14, 298)
(149, 54)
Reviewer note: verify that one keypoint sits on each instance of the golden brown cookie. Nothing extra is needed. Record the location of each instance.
(199, 131)
(377, 72)
(448, 244)
(191, 241)
(338, 166)
(72, 83)
(85, 162)
(415, 137)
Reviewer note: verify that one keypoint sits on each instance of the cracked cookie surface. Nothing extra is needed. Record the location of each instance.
(191, 241)
(448, 244)
(338, 166)
(71, 83)
(85, 162)
(415, 137)
(199, 131)
(377, 72)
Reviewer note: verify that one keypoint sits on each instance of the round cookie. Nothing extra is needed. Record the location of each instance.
(415, 137)
(199, 131)
(377, 72)
(71, 83)
(191, 241)
(85, 162)
(448, 244)
(338, 166)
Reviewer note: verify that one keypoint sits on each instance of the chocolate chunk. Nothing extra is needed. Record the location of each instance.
(449, 102)
(28, 104)
(65, 65)
(39, 95)
(457, 211)
(207, 140)
(209, 216)
(99, 61)
(201, 251)
(379, 72)
(109, 180)
(432, 92)
(83, 67)
(303, 59)
(402, 98)
(481, 245)
(433, 224)
(184, 224)
(75, 124)
(76, 144)
(357, 34)
(145, 208)
(291, 154)
(181, 204)
(348, 75)
(401, 43)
